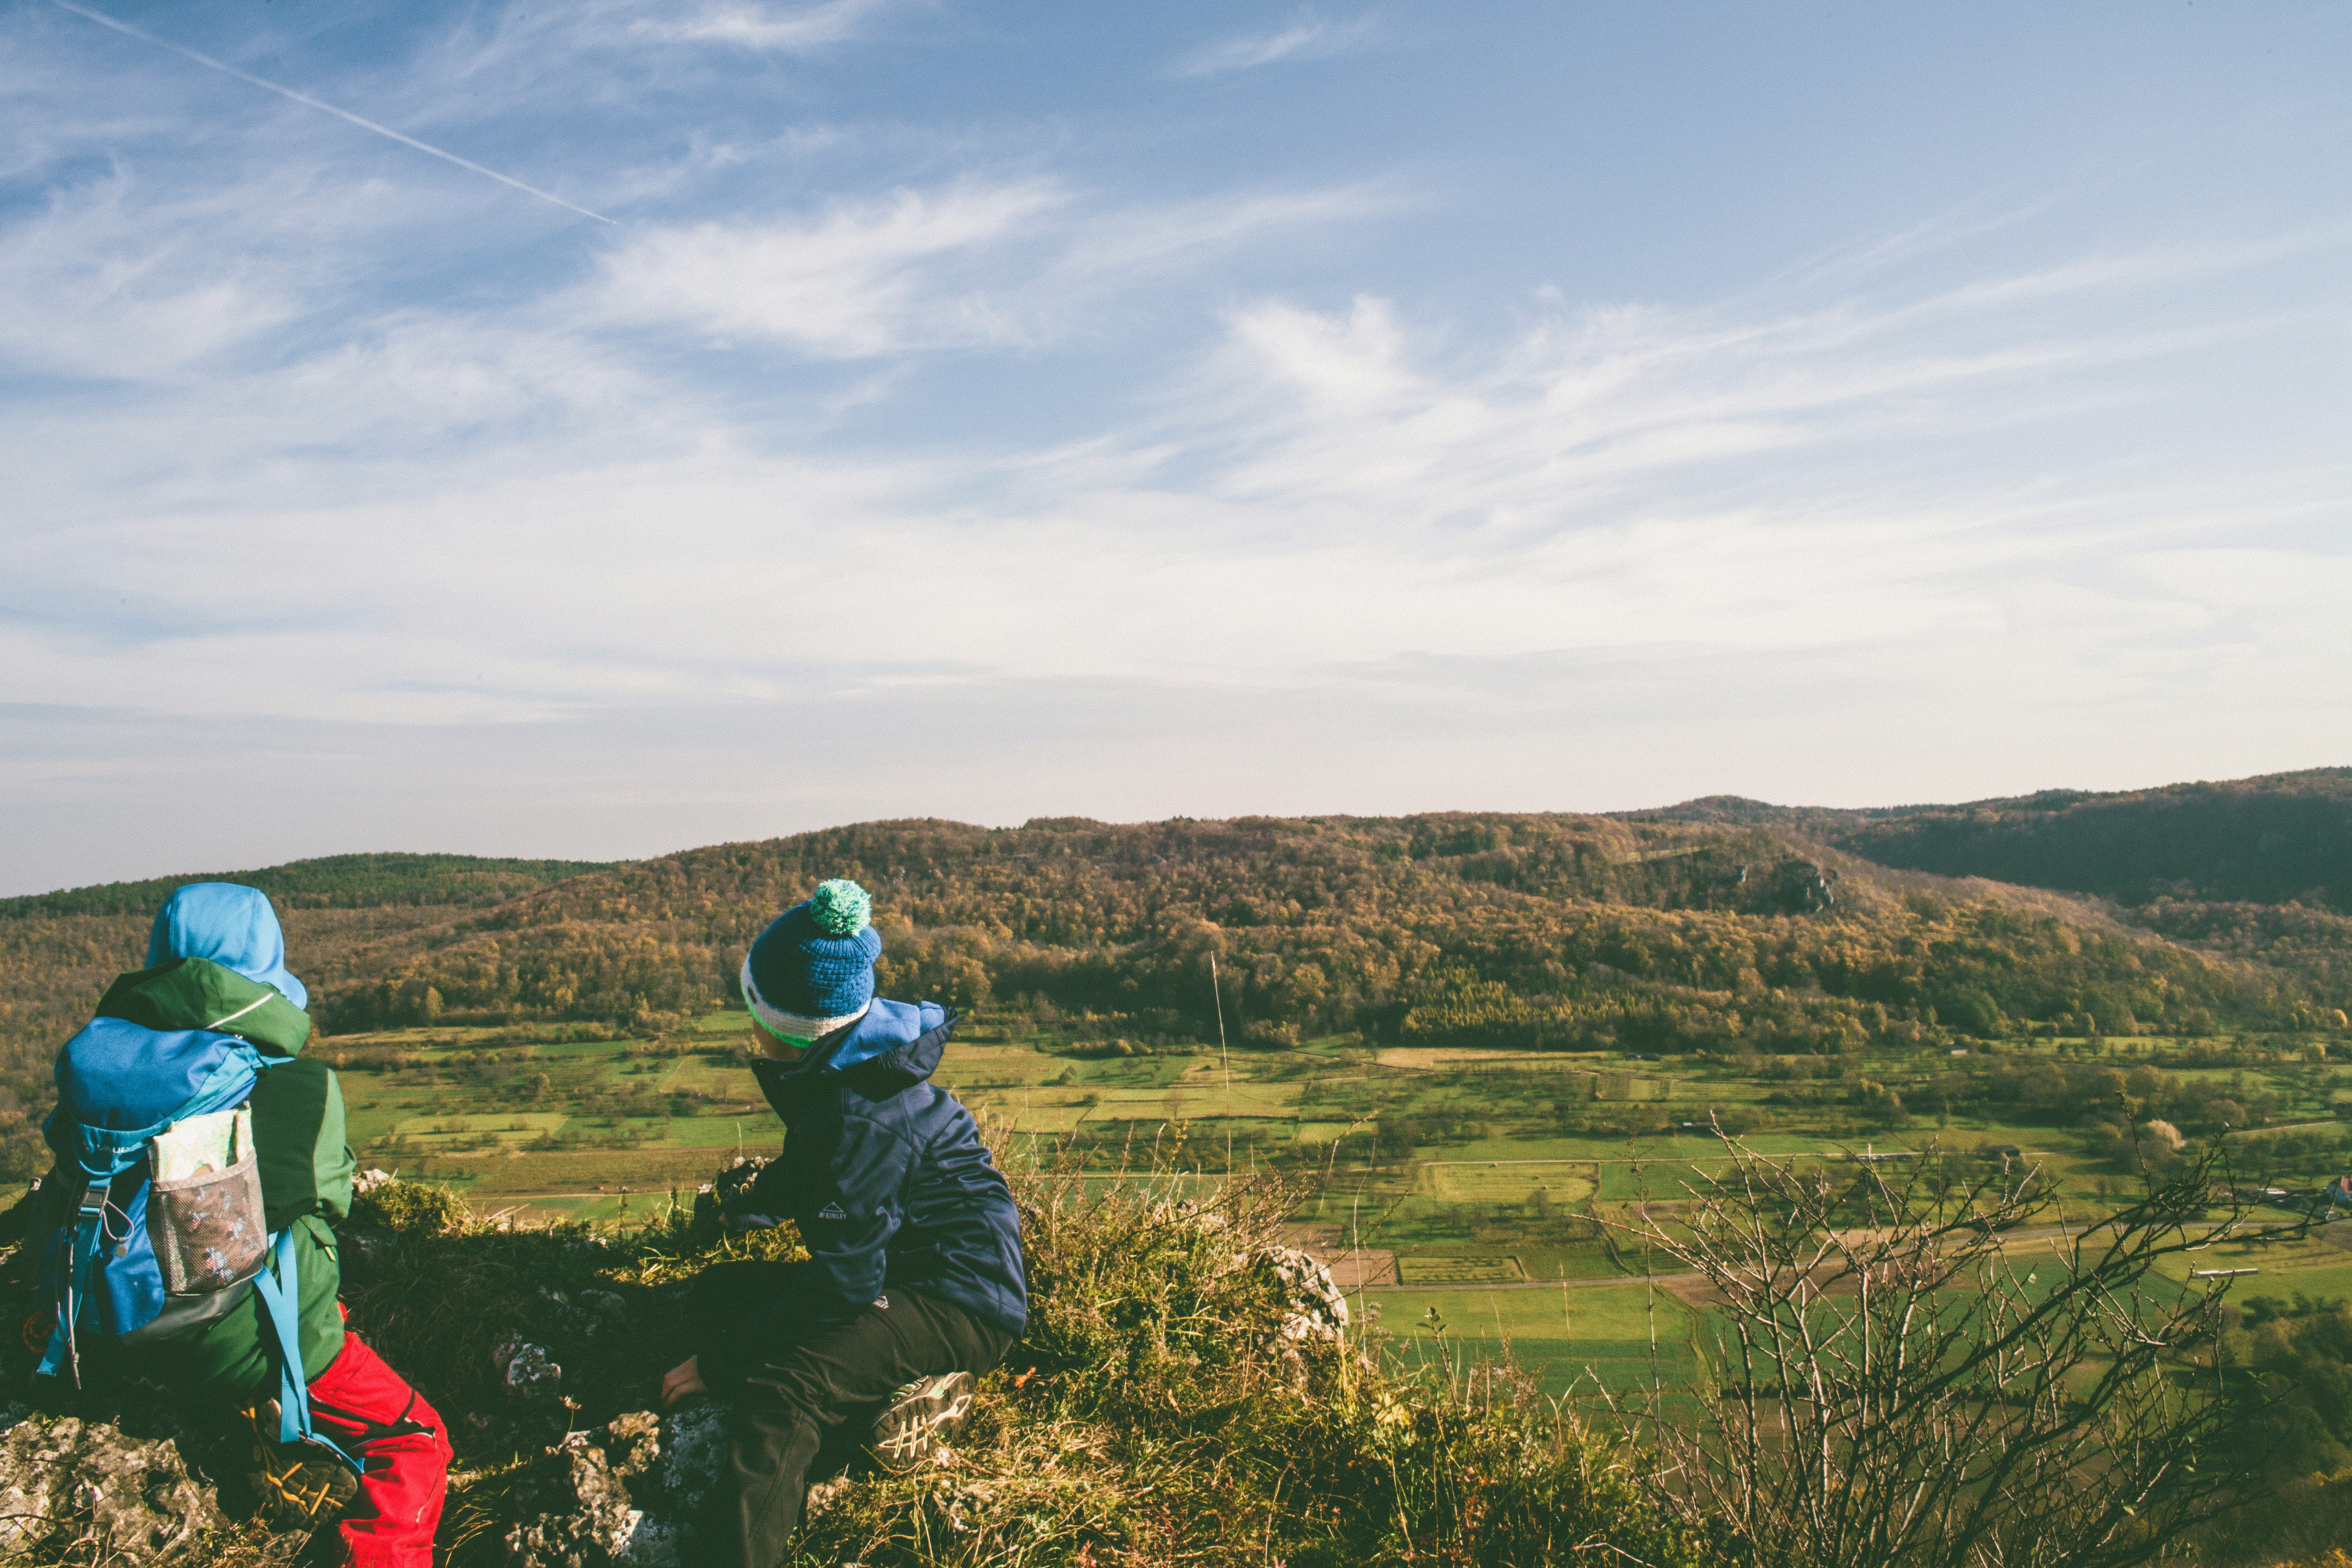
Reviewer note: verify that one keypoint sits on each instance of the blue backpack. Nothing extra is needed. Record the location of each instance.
(142, 1257)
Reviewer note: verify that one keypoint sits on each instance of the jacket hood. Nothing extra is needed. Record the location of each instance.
(895, 1045)
(197, 994)
(232, 925)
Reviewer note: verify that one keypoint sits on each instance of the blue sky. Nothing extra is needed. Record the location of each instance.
(719, 420)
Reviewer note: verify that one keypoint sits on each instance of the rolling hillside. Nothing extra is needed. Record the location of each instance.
(2270, 840)
(1719, 927)
(1453, 929)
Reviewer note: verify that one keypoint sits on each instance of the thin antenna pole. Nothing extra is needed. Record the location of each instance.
(1224, 1058)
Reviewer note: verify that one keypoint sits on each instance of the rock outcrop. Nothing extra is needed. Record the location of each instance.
(575, 1509)
(1315, 1309)
(625, 1494)
(68, 1478)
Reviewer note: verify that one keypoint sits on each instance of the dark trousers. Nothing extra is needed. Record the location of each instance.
(805, 1392)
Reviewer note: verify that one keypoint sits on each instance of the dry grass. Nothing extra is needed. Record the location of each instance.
(1147, 1417)
(1150, 1415)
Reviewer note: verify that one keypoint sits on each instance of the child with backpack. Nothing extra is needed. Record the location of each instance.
(185, 1234)
(913, 1285)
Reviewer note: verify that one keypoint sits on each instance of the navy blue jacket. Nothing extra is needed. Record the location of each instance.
(884, 1174)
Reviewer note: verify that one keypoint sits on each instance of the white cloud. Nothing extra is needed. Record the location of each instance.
(1593, 413)
(1116, 246)
(107, 281)
(1337, 497)
(515, 45)
(1309, 37)
(788, 29)
(1015, 262)
(861, 279)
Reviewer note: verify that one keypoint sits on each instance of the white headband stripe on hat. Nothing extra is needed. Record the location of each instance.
(792, 1025)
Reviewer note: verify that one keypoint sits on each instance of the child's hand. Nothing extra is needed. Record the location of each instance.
(682, 1380)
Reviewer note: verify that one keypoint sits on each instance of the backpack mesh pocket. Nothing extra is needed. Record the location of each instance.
(207, 1229)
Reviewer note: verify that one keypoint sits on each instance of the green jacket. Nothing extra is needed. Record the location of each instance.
(306, 1173)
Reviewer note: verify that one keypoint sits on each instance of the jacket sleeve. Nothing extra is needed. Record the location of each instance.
(298, 1130)
(333, 1164)
(842, 1181)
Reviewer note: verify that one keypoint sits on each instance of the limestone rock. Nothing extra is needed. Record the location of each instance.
(531, 1370)
(694, 1442)
(69, 1475)
(632, 1443)
(625, 1494)
(576, 1513)
(691, 1446)
(1315, 1309)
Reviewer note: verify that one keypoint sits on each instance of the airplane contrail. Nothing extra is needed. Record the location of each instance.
(126, 30)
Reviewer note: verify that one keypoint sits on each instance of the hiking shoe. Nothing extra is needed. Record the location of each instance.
(918, 1418)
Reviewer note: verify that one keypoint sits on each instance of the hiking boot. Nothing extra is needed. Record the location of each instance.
(918, 1418)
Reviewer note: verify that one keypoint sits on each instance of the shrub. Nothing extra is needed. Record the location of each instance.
(411, 1208)
(1898, 1385)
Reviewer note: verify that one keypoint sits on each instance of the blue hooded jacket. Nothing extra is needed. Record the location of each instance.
(886, 1175)
(231, 924)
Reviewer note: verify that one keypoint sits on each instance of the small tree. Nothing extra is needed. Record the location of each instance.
(1935, 1374)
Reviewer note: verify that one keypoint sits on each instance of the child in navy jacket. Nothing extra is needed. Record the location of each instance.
(913, 1285)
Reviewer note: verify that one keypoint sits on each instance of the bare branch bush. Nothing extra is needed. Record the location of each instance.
(1938, 1366)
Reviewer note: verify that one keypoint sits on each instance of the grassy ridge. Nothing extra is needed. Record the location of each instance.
(2267, 840)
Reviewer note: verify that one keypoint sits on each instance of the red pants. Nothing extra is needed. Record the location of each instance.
(379, 1420)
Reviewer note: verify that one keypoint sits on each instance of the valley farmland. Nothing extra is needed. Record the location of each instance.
(1483, 1045)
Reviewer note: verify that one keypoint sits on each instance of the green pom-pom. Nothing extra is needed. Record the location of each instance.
(840, 907)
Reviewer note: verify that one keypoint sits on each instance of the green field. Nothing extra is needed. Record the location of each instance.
(1615, 1336)
(1471, 1176)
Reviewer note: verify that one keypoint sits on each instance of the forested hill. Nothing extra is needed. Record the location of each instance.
(1538, 931)
(2274, 840)
(331, 882)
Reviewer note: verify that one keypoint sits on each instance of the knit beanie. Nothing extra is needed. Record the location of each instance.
(811, 971)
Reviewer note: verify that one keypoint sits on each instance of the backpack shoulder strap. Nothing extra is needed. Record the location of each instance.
(279, 1286)
(84, 1235)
